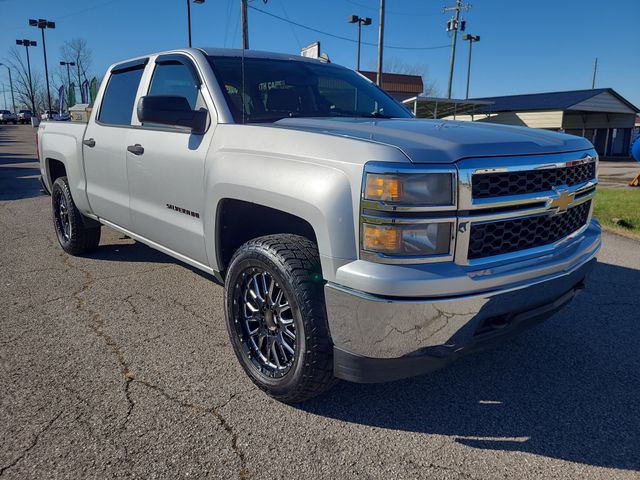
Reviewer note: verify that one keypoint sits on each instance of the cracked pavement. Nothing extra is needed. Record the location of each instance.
(118, 365)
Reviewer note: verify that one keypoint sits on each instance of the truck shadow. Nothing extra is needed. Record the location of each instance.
(568, 389)
(137, 252)
(18, 181)
(19, 173)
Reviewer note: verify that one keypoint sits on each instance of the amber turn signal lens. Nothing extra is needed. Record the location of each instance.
(382, 238)
(383, 187)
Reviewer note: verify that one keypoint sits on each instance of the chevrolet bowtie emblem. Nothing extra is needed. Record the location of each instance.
(563, 201)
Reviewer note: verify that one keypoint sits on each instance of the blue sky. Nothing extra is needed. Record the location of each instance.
(526, 47)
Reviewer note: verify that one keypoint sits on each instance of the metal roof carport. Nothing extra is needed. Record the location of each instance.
(434, 107)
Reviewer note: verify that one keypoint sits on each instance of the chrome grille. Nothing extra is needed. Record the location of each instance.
(500, 184)
(508, 236)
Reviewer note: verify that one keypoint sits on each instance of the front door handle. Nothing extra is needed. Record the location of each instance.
(89, 142)
(136, 149)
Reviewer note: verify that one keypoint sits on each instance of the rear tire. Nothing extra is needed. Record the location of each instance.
(276, 317)
(74, 236)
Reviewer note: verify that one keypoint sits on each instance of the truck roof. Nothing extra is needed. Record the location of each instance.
(225, 52)
(237, 52)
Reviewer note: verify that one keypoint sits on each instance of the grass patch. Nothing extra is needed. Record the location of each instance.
(619, 209)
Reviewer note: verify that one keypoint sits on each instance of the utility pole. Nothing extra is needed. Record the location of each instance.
(595, 72)
(27, 44)
(245, 24)
(360, 21)
(380, 44)
(470, 39)
(452, 26)
(13, 100)
(41, 23)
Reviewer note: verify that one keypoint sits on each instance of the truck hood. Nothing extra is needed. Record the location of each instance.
(442, 141)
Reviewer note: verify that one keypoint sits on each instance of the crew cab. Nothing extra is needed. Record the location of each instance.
(353, 240)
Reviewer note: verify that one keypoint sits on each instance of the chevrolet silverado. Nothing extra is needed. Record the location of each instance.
(354, 241)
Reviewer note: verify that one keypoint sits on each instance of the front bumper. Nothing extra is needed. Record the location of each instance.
(379, 337)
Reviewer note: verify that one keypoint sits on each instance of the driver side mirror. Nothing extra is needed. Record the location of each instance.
(171, 110)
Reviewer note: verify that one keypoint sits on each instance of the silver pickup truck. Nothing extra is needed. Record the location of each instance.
(354, 241)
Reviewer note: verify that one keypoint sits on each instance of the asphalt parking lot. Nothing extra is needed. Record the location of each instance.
(118, 365)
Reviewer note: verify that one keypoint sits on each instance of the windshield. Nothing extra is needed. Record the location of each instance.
(276, 89)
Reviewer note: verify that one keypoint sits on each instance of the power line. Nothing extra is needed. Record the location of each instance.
(339, 37)
(392, 12)
(293, 30)
(226, 24)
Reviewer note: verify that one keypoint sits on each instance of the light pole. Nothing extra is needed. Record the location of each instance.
(13, 100)
(27, 44)
(189, 17)
(4, 96)
(41, 23)
(68, 64)
(360, 21)
(470, 39)
(380, 44)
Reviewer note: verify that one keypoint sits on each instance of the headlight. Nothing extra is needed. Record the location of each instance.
(417, 240)
(408, 213)
(425, 189)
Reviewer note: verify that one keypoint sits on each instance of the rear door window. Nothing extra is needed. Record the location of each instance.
(119, 97)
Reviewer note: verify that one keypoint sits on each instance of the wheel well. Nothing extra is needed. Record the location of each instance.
(239, 221)
(56, 169)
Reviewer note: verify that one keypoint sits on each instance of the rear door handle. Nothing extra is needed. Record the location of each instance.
(89, 142)
(136, 149)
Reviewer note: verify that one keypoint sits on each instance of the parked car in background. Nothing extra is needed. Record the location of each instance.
(50, 115)
(24, 116)
(8, 117)
(354, 240)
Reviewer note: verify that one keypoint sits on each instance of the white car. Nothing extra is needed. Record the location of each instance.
(24, 116)
(50, 115)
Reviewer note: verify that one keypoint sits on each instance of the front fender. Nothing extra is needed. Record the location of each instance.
(320, 194)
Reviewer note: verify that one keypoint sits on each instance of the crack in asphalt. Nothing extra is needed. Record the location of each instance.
(32, 445)
(97, 326)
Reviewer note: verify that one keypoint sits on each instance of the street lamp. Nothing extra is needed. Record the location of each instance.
(470, 39)
(200, 2)
(13, 100)
(360, 21)
(27, 44)
(41, 23)
(68, 64)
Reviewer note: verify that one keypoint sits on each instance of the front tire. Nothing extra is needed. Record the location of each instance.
(74, 236)
(276, 317)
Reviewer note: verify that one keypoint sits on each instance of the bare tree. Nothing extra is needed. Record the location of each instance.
(24, 96)
(75, 50)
